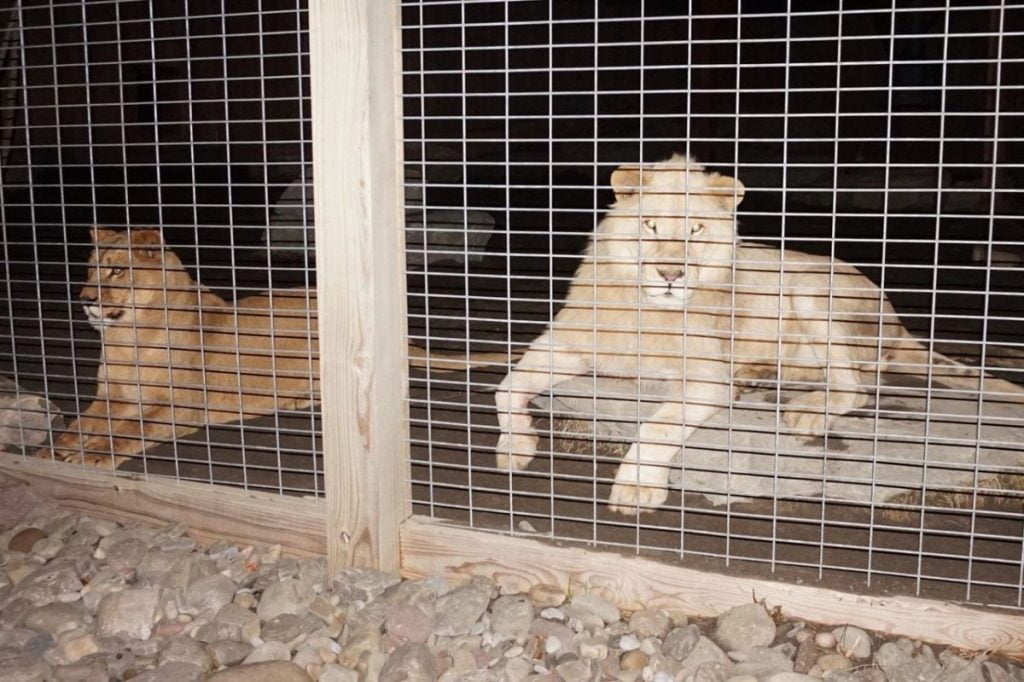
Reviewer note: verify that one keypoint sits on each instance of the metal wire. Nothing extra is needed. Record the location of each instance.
(880, 137)
(136, 114)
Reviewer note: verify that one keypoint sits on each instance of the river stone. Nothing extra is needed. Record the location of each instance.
(852, 641)
(48, 583)
(269, 651)
(172, 672)
(226, 652)
(131, 613)
(511, 617)
(744, 627)
(24, 540)
(458, 610)
(183, 649)
(287, 596)
(270, 671)
(588, 605)
(412, 662)
(56, 618)
(409, 623)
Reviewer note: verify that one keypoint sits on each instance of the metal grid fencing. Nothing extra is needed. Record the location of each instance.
(187, 122)
(875, 145)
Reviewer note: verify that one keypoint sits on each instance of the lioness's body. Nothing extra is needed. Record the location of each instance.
(177, 357)
(667, 292)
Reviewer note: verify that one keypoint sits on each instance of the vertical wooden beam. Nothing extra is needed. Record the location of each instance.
(359, 255)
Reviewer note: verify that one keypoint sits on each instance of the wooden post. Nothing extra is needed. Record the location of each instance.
(359, 255)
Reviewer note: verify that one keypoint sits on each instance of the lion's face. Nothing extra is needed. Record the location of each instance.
(127, 273)
(676, 225)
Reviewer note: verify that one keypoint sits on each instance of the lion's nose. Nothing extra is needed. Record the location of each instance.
(670, 274)
(87, 296)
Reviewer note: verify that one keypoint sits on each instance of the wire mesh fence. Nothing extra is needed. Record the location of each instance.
(875, 286)
(188, 123)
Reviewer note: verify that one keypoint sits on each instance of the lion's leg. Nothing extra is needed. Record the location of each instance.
(538, 370)
(813, 413)
(94, 421)
(641, 482)
(127, 437)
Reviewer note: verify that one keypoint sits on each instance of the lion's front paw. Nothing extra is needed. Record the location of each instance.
(628, 498)
(806, 415)
(515, 451)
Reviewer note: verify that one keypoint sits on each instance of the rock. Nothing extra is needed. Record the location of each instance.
(458, 610)
(791, 677)
(74, 645)
(88, 670)
(131, 613)
(332, 672)
(126, 554)
(56, 618)
(852, 642)
(185, 650)
(270, 671)
(704, 652)
(680, 642)
(225, 652)
(744, 627)
(237, 616)
(287, 596)
(593, 648)
(46, 584)
(633, 660)
(27, 671)
(589, 605)
(546, 596)
(172, 672)
(409, 623)
(269, 651)
(282, 628)
(575, 671)
(900, 665)
(763, 662)
(825, 640)
(511, 617)
(24, 540)
(806, 656)
(833, 661)
(210, 593)
(412, 662)
(650, 623)
(362, 585)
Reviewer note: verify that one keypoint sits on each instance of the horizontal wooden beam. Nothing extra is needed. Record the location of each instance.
(212, 512)
(433, 548)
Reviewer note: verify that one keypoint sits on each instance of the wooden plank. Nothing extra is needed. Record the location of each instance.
(433, 548)
(361, 286)
(211, 512)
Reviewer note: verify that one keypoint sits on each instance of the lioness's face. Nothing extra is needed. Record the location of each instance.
(120, 266)
(683, 242)
(679, 222)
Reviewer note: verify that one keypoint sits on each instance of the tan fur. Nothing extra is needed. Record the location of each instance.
(667, 292)
(177, 357)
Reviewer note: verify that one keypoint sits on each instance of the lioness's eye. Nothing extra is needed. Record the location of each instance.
(697, 228)
(651, 225)
(116, 272)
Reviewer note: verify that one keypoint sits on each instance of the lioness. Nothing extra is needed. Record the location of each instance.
(666, 291)
(176, 356)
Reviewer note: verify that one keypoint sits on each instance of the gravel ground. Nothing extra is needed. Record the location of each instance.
(88, 600)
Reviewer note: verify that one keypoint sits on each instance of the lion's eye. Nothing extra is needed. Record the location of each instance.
(116, 272)
(697, 228)
(651, 226)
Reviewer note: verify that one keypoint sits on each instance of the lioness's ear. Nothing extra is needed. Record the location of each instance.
(626, 180)
(149, 242)
(729, 190)
(100, 234)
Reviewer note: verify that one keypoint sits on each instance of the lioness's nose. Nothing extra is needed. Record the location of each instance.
(670, 274)
(87, 296)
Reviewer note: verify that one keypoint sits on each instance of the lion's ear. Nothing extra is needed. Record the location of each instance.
(100, 234)
(149, 242)
(729, 190)
(626, 181)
